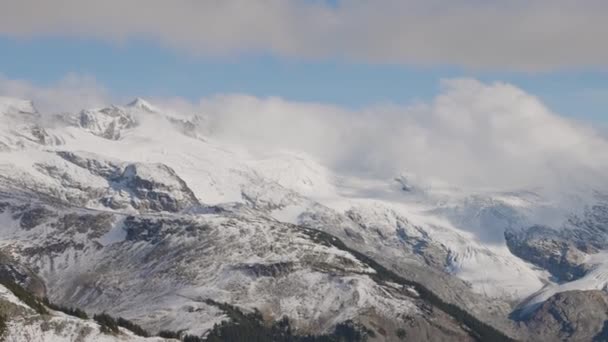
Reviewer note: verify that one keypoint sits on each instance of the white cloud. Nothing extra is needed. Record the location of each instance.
(72, 93)
(472, 134)
(517, 34)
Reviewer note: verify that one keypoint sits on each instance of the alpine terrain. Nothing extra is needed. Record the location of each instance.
(131, 223)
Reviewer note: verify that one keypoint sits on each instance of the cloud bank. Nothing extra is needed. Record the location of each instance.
(517, 35)
(472, 134)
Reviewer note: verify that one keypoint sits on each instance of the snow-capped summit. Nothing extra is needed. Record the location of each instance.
(142, 104)
(109, 122)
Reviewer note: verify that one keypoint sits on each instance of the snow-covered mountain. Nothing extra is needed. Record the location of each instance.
(144, 215)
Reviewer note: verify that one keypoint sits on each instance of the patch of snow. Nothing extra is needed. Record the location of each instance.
(289, 214)
(115, 235)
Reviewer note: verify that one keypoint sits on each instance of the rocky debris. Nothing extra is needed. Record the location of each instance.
(571, 316)
(545, 248)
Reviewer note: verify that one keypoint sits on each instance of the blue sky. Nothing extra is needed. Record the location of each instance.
(149, 55)
(139, 68)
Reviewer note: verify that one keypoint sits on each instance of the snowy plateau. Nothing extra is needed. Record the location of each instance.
(144, 214)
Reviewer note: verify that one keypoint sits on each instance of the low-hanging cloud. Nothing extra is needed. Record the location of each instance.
(472, 134)
(517, 35)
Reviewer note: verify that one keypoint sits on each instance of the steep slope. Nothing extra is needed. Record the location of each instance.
(20, 322)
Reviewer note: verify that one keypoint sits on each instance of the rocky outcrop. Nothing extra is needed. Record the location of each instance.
(145, 187)
(571, 316)
(14, 272)
(153, 187)
(94, 164)
(32, 217)
(545, 248)
(108, 123)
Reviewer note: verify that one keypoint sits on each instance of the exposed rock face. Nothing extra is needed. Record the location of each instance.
(107, 122)
(13, 271)
(92, 163)
(153, 187)
(571, 316)
(544, 247)
(145, 187)
(32, 217)
(388, 225)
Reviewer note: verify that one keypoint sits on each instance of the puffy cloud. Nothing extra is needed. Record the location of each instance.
(472, 134)
(518, 34)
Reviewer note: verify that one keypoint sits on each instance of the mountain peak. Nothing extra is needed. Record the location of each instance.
(140, 103)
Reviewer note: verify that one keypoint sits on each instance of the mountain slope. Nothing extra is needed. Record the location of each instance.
(139, 213)
(20, 322)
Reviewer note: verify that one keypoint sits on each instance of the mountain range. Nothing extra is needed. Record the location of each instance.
(144, 214)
